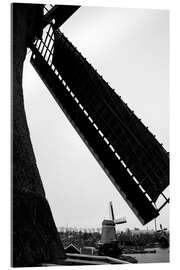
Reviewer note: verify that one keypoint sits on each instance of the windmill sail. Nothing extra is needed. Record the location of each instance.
(140, 151)
(111, 211)
(130, 155)
(120, 220)
(116, 221)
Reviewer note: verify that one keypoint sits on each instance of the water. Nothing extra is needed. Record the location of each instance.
(161, 256)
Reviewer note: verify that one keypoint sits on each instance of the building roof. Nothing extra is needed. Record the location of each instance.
(70, 248)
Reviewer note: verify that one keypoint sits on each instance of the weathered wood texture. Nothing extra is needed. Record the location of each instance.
(35, 237)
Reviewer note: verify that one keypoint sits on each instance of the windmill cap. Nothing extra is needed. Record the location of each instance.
(108, 222)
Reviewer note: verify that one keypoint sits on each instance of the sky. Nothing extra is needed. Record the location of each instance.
(129, 48)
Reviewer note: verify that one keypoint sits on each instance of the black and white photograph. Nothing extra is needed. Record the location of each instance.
(90, 135)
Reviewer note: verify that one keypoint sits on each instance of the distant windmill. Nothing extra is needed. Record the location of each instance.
(108, 234)
(163, 237)
(161, 229)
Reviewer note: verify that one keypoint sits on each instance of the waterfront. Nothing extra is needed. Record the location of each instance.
(161, 256)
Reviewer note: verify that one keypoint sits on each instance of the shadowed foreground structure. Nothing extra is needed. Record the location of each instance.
(35, 238)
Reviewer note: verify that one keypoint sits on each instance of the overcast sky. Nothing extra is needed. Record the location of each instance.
(129, 48)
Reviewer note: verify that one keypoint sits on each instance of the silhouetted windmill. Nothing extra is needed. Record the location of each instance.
(109, 242)
(108, 234)
(163, 237)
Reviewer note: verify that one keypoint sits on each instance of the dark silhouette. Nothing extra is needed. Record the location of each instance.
(35, 238)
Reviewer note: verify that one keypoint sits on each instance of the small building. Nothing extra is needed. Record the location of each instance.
(88, 250)
(72, 249)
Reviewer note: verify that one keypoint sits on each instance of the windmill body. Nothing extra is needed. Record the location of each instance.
(109, 241)
(108, 234)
